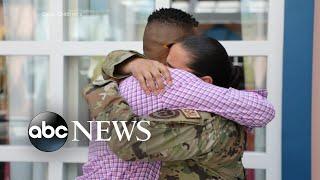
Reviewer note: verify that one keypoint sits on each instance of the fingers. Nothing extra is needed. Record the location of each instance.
(151, 75)
(157, 77)
(166, 73)
(150, 82)
(142, 83)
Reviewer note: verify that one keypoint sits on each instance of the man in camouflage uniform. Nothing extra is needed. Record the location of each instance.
(209, 147)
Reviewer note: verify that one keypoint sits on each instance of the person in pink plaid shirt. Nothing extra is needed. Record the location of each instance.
(188, 91)
(194, 90)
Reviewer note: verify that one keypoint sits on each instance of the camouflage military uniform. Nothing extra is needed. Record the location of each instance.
(108, 67)
(209, 147)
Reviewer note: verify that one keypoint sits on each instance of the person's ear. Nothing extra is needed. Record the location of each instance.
(195, 31)
(207, 79)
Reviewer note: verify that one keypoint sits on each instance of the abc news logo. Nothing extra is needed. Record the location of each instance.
(48, 131)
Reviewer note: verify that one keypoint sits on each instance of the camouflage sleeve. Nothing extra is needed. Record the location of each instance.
(115, 58)
(174, 136)
(171, 139)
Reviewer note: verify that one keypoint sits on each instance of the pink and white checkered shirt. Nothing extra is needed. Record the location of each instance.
(250, 109)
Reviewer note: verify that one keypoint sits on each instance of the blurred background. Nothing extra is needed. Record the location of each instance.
(48, 51)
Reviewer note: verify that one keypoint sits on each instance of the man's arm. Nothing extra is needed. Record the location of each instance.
(109, 68)
(121, 63)
(173, 135)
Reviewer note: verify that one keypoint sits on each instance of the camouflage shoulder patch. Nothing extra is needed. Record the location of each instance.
(165, 114)
(191, 114)
(176, 116)
(98, 98)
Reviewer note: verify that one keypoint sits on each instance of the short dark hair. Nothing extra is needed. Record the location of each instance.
(173, 16)
(209, 58)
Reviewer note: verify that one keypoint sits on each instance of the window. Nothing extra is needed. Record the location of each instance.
(99, 20)
(24, 20)
(229, 20)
